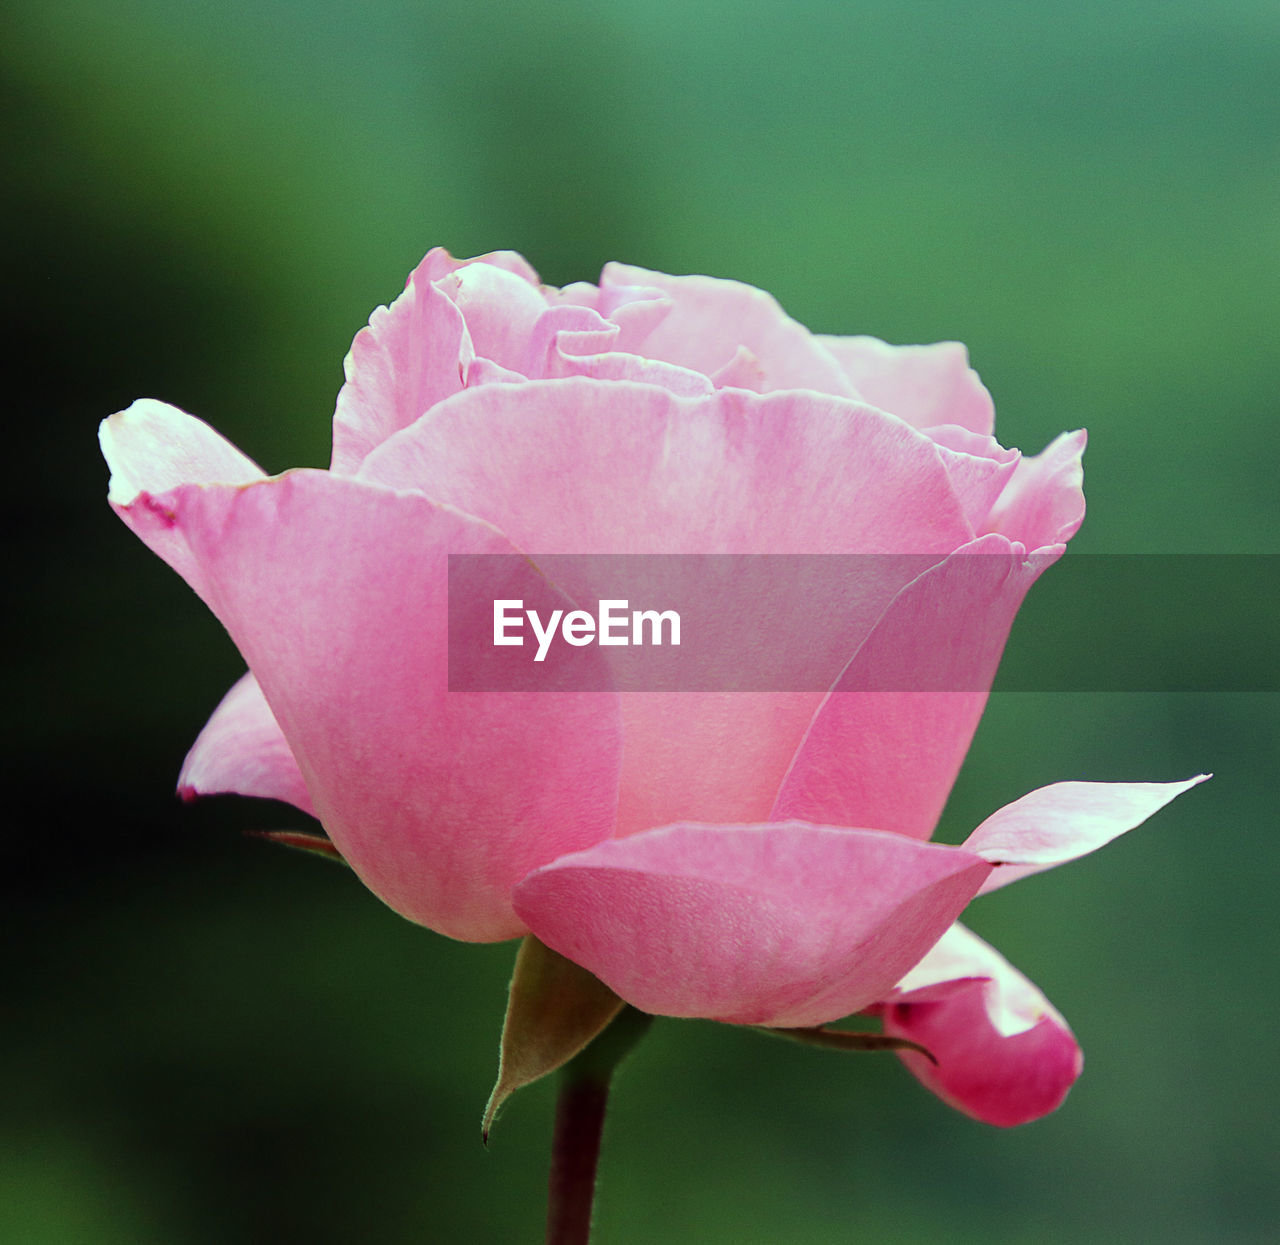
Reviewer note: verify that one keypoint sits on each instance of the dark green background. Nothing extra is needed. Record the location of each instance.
(213, 1040)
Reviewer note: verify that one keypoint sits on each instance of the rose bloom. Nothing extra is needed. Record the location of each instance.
(754, 858)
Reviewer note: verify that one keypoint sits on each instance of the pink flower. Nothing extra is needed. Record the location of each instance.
(756, 858)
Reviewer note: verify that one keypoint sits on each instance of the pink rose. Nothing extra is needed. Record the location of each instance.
(756, 858)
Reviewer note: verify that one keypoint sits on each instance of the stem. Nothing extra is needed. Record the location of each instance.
(580, 1108)
(574, 1154)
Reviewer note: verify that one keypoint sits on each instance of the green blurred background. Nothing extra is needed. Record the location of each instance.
(214, 1040)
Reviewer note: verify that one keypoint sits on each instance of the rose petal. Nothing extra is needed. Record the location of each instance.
(885, 746)
(614, 365)
(581, 466)
(1065, 821)
(334, 590)
(786, 925)
(925, 385)
(743, 371)
(573, 340)
(155, 447)
(412, 355)
(501, 310)
(979, 472)
(710, 318)
(1005, 1055)
(243, 750)
(977, 444)
(439, 263)
(1044, 502)
(636, 310)
(578, 466)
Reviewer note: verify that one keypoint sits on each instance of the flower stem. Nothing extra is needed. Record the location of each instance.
(580, 1108)
(574, 1152)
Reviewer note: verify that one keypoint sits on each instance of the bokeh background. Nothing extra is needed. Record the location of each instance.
(210, 1039)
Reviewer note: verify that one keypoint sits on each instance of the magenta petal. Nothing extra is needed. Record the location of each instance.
(925, 385)
(412, 355)
(1065, 821)
(335, 593)
(784, 925)
(243, 750)
(1005, 1055)
(711, 318)
(887, 743)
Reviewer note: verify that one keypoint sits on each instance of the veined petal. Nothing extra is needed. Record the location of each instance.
(243, 750)
(1005, 1055)
(335, 592)
(887, 743)
(925, 385)
(1065, 821)
(785, 925)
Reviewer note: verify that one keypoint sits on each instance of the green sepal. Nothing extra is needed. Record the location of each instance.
(316, 844)
(848, 1040)
(555, 1009)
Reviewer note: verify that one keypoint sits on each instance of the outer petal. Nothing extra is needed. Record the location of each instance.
(243, 750)
(412, 355)
(1005, 1055)
(711, 318)
(1065, 821)
(577, 466)
(887, 743)
(335, 593)
(786, 925)
(1044, 502)
(155, 446)
(584, 466)
(925, 385)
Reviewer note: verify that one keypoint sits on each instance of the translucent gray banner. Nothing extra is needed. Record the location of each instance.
(868, 622)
